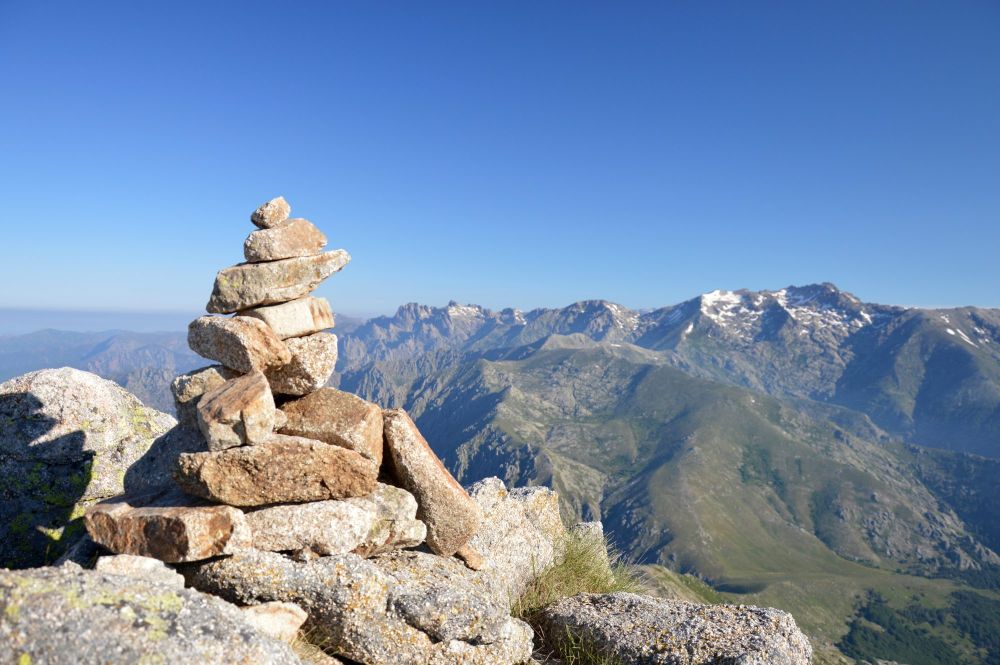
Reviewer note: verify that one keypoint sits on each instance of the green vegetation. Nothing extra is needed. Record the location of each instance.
(588, 565)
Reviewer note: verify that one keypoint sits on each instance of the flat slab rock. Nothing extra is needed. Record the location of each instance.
(296, 318)
(171, 527)
(251, 284)
(407, 607)
(311, 366)
(631, 628)
(68, 616)
(378, 522)
(290, 238)
(338, 418)
(241, 343)
(451, 516)
(239, 412)
(283, 469)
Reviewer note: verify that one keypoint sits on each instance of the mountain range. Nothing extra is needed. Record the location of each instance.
(797, 448)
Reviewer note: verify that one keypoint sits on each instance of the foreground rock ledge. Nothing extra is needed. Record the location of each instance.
(69, 616)
(283, 469)
(630, 628)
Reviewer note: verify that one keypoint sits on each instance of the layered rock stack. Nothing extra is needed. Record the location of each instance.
(287, 464)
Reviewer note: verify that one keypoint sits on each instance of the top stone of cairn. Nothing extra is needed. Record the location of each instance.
(272, 213)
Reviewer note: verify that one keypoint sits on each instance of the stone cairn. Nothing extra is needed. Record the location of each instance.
(287, 464)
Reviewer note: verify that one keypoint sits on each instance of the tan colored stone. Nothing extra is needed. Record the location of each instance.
(313, 360)
(240, 411)
(473, 559)
(252, 284)
(323, 527)
(291, 238)
(141, 568)
(170, 527)
(295, 318)
(284, 469)
(451, 516)
(339, 418)
(277, 619)
(240, 343)
(271, 213)
(395, 526)
(188, 389)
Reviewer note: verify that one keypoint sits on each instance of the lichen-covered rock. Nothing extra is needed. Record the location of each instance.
(171, 527)
(313, 360)
(271, 213)
(141, 568)
(251, 284)
(296, 318)
(239, 412)
(451, 516)
(241, 343)
(378, 522)
(631, 628)
(66, 438)
(290, 238)
(338, 418)
(71, 616)
(406, 607)
(520, 535)
(283, 469)
(281, 621)
(188, 389)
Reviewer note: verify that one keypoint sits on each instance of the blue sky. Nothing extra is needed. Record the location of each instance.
(510, 154)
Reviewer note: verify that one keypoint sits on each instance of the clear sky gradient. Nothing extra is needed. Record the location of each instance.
(510, 154)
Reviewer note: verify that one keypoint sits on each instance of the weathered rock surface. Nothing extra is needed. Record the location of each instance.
(296, 318)
(153, 473)
(291, 238)
(405, 607)
(284, 469)
(71, 616)
(241, 343)
(65, 438)
(188, 389)
(251, 284)
(141, 568)
(451, 516)
(313, 360)
(170, 527)
(520, 536)
(281, 621)
(239, 412)
(271, 213)
(631, 628)
(338, 418)
(378, 522)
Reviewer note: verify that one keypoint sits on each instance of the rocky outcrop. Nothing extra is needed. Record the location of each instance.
(66, 438)
(630, 628)
(70, 616)
(405, 607)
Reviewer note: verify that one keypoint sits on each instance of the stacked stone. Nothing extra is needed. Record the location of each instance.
(287, 464)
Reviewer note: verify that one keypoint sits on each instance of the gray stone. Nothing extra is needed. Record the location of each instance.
(291, 238)
(406, 607)
(70, 616)
(324, 527)
(239, 412)
(188, 389)
(141, 568)
(271, 213)
(338, 418)
(281, 621)
(395, 525)
(296, 318)
(170, 527)
(451, 516)
(241, 343)
(631, 628)
(252, 284)
(284, 469)
(66, 438)
(153, 473)
(520, 535)
(313, 360)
